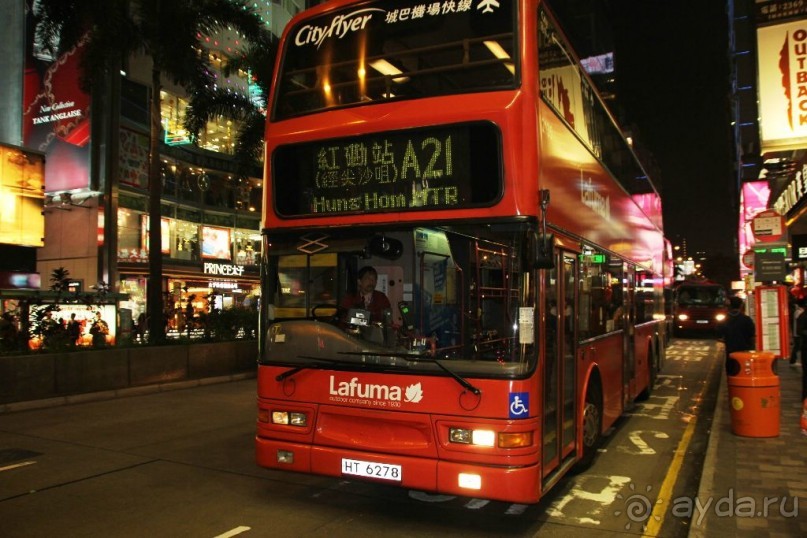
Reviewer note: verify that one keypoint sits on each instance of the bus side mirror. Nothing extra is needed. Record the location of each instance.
(544, 251)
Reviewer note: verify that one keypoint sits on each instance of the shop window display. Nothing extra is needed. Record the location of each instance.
(218, 135)
(247, 246)
(130, 248)
(216, 243)
(52, 325)
(184, 240)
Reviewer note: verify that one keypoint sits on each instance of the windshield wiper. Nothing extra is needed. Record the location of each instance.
(406, 356)
(410, 358)
(292, 371)
(461, 380)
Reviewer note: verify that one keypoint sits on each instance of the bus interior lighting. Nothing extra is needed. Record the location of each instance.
(469, 481)
(498, 51)
(386, 68)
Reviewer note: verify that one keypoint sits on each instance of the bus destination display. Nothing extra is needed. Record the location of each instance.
(429, 168)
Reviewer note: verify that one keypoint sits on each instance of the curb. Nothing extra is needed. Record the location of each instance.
(71, 399)
(710, 460)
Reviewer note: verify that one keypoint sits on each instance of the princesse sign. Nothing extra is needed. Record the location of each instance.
(226, 269)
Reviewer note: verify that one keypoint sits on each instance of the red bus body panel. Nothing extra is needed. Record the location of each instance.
(411, 434)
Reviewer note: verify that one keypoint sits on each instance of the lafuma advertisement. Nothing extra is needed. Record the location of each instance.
(782, 69)
(56, 110)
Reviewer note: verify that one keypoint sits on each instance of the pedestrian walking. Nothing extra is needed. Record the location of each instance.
(738, 332)
(801, 330)
(795, 351)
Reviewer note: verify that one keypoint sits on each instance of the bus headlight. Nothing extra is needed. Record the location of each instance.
(289, 418)
(683, 317)
(472, 437)
(489, 438)
(720, 317)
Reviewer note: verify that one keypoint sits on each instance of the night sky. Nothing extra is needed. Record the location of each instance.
(672, 80)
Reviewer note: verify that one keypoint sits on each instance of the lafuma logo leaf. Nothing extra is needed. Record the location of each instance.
(414, 393)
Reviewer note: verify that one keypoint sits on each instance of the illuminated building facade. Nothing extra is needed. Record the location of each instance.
(95, 198)
(768, 46)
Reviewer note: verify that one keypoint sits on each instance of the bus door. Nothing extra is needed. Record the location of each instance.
(559, 424)
(629, 391)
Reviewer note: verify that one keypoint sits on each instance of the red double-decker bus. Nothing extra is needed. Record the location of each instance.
(461, 151)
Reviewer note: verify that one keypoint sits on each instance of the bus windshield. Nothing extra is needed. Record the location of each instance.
(455, 295)
(392, 49)
(701, 296)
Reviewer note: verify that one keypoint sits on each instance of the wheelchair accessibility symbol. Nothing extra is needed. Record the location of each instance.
(519, 404)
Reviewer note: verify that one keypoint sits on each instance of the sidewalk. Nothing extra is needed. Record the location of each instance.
(742, 474)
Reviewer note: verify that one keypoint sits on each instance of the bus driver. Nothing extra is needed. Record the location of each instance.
(367, 297)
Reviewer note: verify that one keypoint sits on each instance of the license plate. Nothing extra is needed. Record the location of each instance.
(702, 321)
(369, 469)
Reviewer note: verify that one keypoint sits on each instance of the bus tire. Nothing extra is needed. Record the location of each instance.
(592, 427)
(653, 372)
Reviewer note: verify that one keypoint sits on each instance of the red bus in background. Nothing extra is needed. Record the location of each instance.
(699, 307)
(460, 150)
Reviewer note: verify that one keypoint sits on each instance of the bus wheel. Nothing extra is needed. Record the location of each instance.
(592, 427)
(653, 367)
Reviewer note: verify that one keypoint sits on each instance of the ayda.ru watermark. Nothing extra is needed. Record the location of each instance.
(639, 507)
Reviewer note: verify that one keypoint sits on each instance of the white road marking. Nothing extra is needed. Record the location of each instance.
(640, 446)
(594, 503)
(660, 411)
(476, 504)
(234, 532)
(16, 466)
(516, 509)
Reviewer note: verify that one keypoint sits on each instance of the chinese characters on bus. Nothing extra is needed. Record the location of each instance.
(387, 173)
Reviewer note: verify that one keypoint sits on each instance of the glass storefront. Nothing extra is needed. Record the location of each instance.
(188, 300)
(209, 232)
(186, 241)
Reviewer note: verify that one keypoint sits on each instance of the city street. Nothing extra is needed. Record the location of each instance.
(180, 463)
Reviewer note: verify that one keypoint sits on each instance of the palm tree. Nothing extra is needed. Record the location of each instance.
(60, 280)
(168, 32)
(211, 101)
